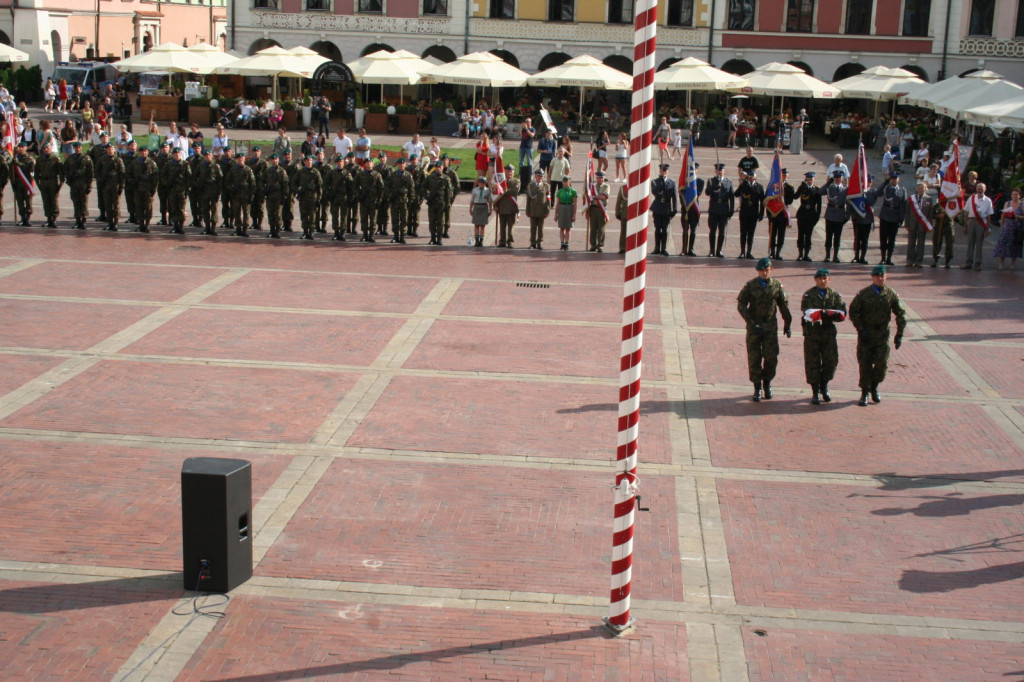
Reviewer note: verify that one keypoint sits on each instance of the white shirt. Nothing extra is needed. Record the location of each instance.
(411, 148)
(838, 167)
(982, 206)
(342, 145)
(178, 141)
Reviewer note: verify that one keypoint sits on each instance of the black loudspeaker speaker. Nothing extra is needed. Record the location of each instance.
(216, 523)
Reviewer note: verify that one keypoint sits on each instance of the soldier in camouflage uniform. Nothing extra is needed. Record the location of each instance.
(176, 177)
(275, 184)
(323, 211)
(128, 159)
(757, 303)
(79, 173)
(370, 188)
(209, 182)
(145, 177)
(5, 176)
(96, 153)
(288, 200)
(111, 170)
(308, 186)
(384, 201)
(822, 307)
(240, 185)
(412, 210)
(162, 158)
(226, 161)
(195, 192)
(870, 312)
(22, 182)
(453, 180)
(399, 185)
(353, 205)
(258, 164)
(49, 176)
(337, 194)
(437, 190)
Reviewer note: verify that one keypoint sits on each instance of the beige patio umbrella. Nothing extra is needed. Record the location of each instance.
(980, 90)
(694, 74)
(879, 83)
(1008, 113)
(164, 57)
(276, 62)
(12, 54)
(212, 56)
(583, 72)
(477, 69)
(785, 80)
(389, 68)
(929, 94)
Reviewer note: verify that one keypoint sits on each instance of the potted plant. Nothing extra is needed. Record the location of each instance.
(360, 111)
(290, 117)
(376, 118)
(307, 108)
(406, 119)
(199, 111)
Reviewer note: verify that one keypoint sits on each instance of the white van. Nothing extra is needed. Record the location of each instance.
(90, 75)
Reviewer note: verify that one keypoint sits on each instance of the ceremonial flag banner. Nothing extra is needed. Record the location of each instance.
(12, 132)
(951, 195)
(773, 199)
(688, 179)
(856, 192)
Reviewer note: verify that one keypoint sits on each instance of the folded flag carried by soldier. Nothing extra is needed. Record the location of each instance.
(688, 180)
(856, 192)
(951, 195)
(773, 199)
(821, 314)
(501, 181)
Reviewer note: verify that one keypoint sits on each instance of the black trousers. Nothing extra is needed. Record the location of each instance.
(861, 232)
(778, 233)
(748, 226)
(716, 232)
(887, 237)
(833, 234)
(804, 230)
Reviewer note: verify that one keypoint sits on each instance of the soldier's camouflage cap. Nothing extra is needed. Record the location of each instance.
(878, 270)
(764, 263)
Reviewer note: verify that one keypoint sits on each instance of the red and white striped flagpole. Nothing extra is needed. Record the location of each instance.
(641, 123)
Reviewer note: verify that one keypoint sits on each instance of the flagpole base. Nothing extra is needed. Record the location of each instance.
(619, 630)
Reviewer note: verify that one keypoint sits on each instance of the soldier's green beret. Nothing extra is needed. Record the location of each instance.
(350, 155)
(400, 160)
(22, 143)
(382, 155)
(438, 164)
(272, 156)
(287, 151)
(764, 263)
(308, 157)
(257, 148)
(878, 270)
(444, 156)
(412, 156)
(823, 272)
(165, 143)
(76, 143)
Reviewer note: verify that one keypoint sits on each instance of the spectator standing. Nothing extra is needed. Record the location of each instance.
(527, 134)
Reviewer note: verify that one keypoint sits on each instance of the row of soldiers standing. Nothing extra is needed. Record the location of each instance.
(243, 188)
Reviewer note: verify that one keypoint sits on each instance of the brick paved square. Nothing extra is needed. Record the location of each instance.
(1000, 366)
(271, 336)
(63, 326)
(923, 552)
(475, 527)
(107, 281)
(905, 438)
(561, 350)
(289, 639)
(102, 505)
(505, 300)
(714, 309)
(722, 358)
(189, 401)
(75, 632)
(809, 655)
(963, 319)
(326, 291)
(16, 370)
(512, 418)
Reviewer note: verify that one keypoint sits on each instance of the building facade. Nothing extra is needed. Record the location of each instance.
(52, 31)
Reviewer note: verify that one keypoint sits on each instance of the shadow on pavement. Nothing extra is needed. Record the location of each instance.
(72, 597)
(947, 581)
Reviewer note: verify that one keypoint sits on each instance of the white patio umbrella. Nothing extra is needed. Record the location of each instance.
(984, 91)
(929, 94)
(212, 56)
(276, 62)
(164, 57)
(478, 68)
(785, 80)
(1008, 113)
(694, 74)
(389, 68)
(12, 54)
(583, 72)
(879, 83)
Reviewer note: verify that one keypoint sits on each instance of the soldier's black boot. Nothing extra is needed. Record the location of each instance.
(757, 392)
(935, 262)
(825, 395)
(816, 398)
(768, 395)
(144, 227)
(875, 398)
(721, 243)
(163, 219)
(947, 263)
(112, 226)
(863, 402)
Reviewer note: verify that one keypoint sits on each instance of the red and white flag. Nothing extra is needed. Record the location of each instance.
(590, 194)
(951, 194)
(816, 314)
(12, 132)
